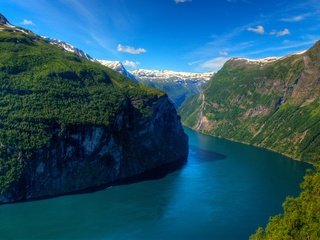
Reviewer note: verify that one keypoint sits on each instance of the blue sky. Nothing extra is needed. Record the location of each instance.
(182, 35)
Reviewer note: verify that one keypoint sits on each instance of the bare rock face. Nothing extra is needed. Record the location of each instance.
(90, 157)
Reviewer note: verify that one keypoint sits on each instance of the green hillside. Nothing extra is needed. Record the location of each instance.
(274, 105)
(42, 86)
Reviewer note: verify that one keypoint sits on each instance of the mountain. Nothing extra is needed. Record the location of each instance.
(118, 66)
(3, 20)
(71, 125)
(69, 48)
(178, 85)
(272, 103)
(115, 65)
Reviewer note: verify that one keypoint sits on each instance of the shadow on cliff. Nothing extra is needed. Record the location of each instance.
(196, 156)
(153, 174)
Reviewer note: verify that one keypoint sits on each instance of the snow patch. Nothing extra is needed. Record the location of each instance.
(117, 66)
(69, 48)
(170, 76)
(261, 61)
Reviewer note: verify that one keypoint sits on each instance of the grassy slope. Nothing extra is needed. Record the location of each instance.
(41, 85)
(242, 103)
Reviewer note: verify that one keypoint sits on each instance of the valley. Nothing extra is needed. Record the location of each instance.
(176, 119)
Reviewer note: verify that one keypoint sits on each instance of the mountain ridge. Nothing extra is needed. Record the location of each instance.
(274, 105)
(119, 67)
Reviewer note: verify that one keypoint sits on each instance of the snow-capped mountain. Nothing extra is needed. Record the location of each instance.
(6, 23)
(178, 85)
(69, 48)
(172, 76)
(117, 66)
(261, 61)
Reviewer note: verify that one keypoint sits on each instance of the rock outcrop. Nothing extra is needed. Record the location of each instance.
(89, 157)
(70, 125)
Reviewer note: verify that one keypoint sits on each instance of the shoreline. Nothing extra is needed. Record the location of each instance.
(252, 145)
(149, 175)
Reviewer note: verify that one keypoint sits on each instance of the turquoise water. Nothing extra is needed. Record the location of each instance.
(224, 192)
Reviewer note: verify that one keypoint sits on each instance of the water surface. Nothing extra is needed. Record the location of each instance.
(225, 191)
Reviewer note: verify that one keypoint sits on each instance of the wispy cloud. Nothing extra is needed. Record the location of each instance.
(222, 42)
(101, 41)
(258, 29)
(104, 36)
(213, 64)
(286, 46)
(223, 53)
(297, 18)
(182, 1)
(129, 49)
(27, 22)
(131, 64)
(280, 33)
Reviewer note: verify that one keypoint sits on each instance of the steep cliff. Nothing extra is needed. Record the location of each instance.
(272, 103)
(70, 125)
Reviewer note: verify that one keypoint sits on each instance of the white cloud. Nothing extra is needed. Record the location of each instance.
(27, 22)
(294, 18)
(131, 64)
(131, 50)
(280, 33)
(213, 64)
(182, 1)
(287, 46)
(258, 29)
(223, 53)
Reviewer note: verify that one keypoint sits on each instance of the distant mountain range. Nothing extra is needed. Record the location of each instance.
(178, 85)
(272, 103)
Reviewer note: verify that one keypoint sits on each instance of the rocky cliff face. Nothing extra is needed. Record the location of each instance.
(271, 103)
(69, 124)
(88, 157)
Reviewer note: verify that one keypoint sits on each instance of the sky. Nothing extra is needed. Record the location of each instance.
(180, 35)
